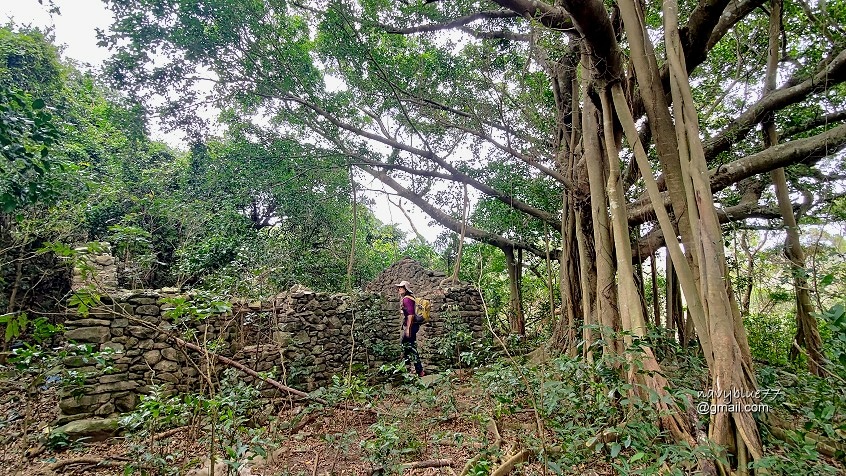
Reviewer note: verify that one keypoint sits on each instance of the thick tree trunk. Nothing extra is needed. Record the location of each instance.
(516, 321)
(587, 282)
(570, 287)
(702, 274)
(657, 110)
(606, 286)
(732, 369)
(573, 310)
(649, 377)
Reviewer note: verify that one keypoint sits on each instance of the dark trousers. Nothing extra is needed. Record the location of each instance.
(409, 349)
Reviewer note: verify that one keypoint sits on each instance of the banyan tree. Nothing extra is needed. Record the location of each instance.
(619, 127)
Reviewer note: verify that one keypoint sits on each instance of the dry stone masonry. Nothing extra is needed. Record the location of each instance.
(95, 268)
(301, 336)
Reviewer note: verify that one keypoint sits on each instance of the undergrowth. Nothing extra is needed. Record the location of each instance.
(589, 415)
(574, 415)
(592, 417)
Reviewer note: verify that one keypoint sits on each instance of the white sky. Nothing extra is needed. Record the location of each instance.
(75, 30)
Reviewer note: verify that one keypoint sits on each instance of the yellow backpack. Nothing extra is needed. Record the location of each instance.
(422, 310)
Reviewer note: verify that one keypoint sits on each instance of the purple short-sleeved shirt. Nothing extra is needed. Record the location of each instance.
(407, 306)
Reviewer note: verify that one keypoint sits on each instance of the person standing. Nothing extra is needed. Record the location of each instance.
(410, 326)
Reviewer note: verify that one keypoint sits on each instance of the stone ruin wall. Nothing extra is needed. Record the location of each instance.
(304, 337)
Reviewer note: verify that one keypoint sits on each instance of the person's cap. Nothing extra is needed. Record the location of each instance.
(404, 284)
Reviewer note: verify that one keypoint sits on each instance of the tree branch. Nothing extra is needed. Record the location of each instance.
(807, 150)
(654, 240)
(700, 26)
(448, 221)
(818, 121)
(833, 73)
(552, 17)
(496, 35)
(457, 23)
(456, 174)
(519, 155)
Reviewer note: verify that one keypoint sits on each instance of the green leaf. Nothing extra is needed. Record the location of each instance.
(827, 279)
(12, 330)
(615, 449)
(827, 412)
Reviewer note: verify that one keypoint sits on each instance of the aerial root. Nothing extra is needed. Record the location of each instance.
(825, 446)
(510, 463)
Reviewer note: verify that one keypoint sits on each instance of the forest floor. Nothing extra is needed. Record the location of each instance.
(435, 422)
(457, 423)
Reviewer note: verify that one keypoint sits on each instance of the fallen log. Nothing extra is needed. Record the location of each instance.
(87, 460)
(168, 433)
(432, 463)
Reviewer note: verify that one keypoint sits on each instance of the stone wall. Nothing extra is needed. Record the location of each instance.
(95, 269)
(303, 337)
(455, 306)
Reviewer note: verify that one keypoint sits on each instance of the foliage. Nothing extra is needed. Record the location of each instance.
(228, 415)
(38, 329)
(197, 308)
(59, 440)
(390, 445)
(458, 347)
(578, 403)
(242, 214)
(27, 130)
(235, 406)
(770, 336)
(69, 367)
(396, 371)
(798, 457)
(156, 411)
(348, 388)
(14, 325)
(835, 322)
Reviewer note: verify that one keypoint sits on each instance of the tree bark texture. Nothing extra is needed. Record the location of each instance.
(516, 320)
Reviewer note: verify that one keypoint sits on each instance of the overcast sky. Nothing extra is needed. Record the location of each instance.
(74, 28)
